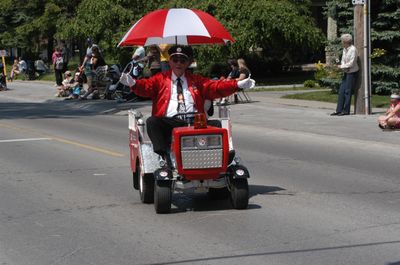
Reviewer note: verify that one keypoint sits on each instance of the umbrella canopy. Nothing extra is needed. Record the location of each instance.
(176, 26)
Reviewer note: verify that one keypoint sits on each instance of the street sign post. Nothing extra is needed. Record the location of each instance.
(3, 53)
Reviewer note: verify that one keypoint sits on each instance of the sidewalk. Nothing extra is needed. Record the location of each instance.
(43, 91)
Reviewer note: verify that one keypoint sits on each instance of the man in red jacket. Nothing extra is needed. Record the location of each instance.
(177, 91)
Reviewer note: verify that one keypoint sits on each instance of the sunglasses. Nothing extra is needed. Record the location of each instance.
(181, 60)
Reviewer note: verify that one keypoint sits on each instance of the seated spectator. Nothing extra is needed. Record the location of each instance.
(233, 74)
(391, 119)
(14, 70)
(96, 61)
(65, 89)
(22, 65)
(19, 67)
(239, 71)
(40, 67)
(76, 86)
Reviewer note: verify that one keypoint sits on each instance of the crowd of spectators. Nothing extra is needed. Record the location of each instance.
(70, 84)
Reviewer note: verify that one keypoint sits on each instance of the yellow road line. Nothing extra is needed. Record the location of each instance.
(65, 141)
(90, 147)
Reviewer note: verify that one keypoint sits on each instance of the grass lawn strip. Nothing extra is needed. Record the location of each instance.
(326, 96)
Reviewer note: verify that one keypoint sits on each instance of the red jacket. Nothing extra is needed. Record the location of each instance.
(158, 88)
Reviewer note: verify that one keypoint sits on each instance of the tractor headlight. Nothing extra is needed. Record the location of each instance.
(240, 172)
(164, 173)
(214, 141)
(201, 142)
(188, 142)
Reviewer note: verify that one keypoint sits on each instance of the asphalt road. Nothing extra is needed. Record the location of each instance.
(324, 190)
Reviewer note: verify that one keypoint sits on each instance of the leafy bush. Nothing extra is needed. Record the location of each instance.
(333, 84)
(328, 76)
(320, 73)
(309, 83)
(216, 70)
(384, 88)
(386, 79)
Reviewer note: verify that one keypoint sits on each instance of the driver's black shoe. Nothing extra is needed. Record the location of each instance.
(168, 160)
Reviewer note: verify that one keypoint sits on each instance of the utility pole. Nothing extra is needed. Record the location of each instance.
(362, 43)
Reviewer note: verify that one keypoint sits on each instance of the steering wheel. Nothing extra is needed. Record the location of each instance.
(189, 120)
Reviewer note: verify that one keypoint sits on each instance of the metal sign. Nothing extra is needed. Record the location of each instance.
(3, 53)
(358, 2)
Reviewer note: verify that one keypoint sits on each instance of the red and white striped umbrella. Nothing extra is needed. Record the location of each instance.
(176, 26)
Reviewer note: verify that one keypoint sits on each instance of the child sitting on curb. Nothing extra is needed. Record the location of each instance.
(64, 89)
(76, 87)
(391, 119)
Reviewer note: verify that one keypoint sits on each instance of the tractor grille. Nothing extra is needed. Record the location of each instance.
(205, 158)
(201, 151)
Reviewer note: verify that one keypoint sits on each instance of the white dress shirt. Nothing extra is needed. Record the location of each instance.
(349, 60)
(173, 103)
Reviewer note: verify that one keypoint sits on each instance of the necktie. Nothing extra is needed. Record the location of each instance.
(181, 101)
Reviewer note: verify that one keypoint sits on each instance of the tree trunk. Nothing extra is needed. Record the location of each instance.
(330, 56)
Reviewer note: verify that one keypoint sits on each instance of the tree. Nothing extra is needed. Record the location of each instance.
(32, 24)
(104, 21)
(385, 37)
(284, 30)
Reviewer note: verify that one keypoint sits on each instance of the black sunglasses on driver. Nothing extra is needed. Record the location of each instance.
(179, 59)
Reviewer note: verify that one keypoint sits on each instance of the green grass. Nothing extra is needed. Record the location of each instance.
(274, 89)
(326, 96)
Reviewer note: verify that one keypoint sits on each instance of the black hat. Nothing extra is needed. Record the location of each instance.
(186, 51)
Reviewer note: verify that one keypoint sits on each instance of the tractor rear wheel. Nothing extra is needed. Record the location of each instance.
(162, 196)
(146, 187)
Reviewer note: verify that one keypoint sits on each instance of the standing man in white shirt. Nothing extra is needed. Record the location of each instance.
(350, 68)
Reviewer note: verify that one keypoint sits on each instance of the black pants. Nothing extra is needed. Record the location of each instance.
(160, 132)
(58, 74)
(345, 92)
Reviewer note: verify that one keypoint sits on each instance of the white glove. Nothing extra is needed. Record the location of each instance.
(246, 83)
(127, 80)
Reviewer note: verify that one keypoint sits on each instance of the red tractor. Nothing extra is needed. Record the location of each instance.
(203, 160)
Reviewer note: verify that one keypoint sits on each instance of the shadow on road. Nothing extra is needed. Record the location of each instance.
(264, 190)
(201, 202)
(285, 252)
(62, 109)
